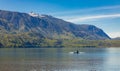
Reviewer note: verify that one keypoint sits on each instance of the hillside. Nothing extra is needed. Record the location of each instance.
(16, 27)
(47, 26)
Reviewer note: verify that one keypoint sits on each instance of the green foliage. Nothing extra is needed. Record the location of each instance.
(24, 40)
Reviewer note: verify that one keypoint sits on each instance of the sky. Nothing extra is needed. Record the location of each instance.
(104, 14)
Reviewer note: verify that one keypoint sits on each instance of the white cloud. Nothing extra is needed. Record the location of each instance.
(86, 10)
(114, 34)
(89, 14)
(81, 19)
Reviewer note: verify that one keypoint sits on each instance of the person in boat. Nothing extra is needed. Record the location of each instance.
(77, 52)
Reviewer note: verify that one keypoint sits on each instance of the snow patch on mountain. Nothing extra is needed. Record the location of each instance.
(36, 15)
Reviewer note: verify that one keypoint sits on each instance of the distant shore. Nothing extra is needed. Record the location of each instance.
(55, 43)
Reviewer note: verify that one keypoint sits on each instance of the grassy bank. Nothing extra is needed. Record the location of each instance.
(10, 41)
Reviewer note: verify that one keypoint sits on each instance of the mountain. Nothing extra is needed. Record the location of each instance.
(46, 26)
(117, 38)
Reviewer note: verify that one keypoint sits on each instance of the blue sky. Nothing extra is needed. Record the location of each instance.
(104, 14)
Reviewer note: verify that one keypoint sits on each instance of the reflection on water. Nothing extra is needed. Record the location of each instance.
(59, 59)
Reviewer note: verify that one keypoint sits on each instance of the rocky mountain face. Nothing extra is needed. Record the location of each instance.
(47, 27)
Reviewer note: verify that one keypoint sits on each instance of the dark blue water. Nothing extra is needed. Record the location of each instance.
(59, 59)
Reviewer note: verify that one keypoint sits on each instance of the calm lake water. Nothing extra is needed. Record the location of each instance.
(59, 59)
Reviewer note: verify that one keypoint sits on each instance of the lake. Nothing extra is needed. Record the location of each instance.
(59, 59)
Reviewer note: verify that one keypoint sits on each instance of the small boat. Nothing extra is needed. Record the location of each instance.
(76, 52)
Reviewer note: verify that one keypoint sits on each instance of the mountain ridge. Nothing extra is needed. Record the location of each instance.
(47, 27)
